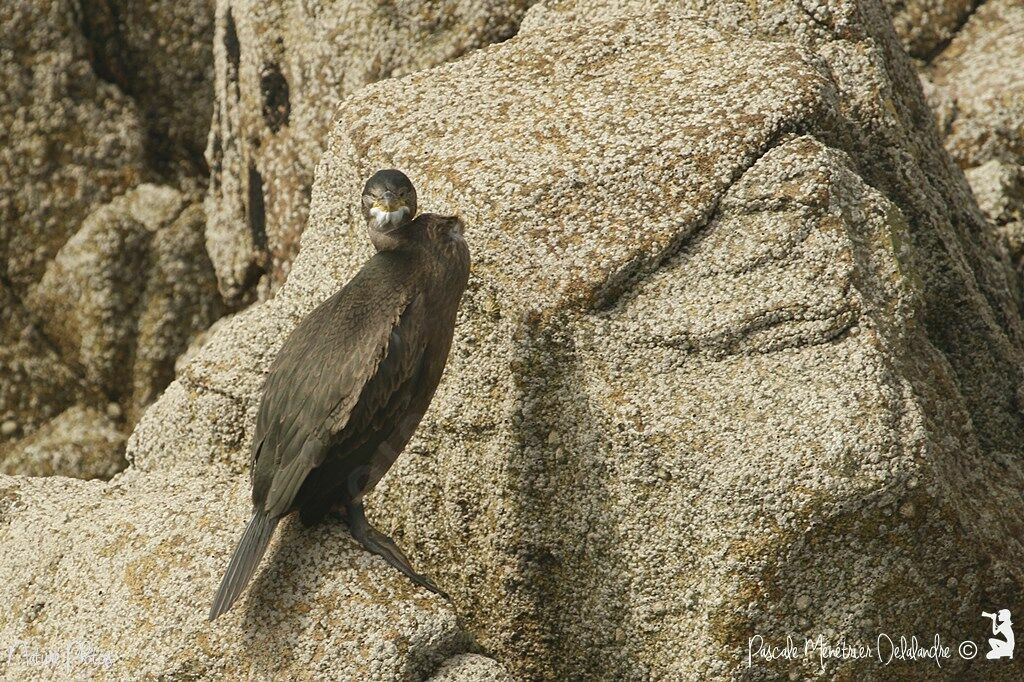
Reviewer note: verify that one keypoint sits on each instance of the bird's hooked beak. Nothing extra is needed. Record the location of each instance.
(388, 201)
(389, 212)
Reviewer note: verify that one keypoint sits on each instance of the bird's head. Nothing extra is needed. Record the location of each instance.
(389, 201)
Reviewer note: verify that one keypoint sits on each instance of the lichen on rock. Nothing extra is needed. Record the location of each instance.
(976, 86)
(69, 141)
(982, 69)
(142, 554)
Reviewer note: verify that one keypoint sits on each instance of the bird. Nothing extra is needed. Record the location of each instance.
(351, 383)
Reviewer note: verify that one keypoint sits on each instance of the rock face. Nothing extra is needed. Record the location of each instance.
(282, 68)
(740, 356)
(150, 547)
(744, 390)
(123, 297)
(81, 442)
(37, 384)
(100, 291)
(160, 53)
(999, 188)
(68, 140)
(101, 331)
(977, 85)
(470, 668)
(982, 71)
(926, 26)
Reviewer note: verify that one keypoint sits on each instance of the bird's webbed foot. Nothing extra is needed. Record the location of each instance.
(380, 544)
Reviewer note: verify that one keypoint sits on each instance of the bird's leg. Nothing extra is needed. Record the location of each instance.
(380, 544)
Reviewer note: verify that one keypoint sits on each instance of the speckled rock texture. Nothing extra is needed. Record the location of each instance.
(740, 355)
(125, 295)
(37, 384)
(159, 53)
(976, 86)
(115, 581)
(69, 141)
(470, 668)
(982, 72)
(926, 26)
(749, 363)
(81, 442)
(282, 68)
(98, 299)
(999, 188)
(101, 330)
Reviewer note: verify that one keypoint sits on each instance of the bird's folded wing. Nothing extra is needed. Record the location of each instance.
(313, 387)
(386, 396)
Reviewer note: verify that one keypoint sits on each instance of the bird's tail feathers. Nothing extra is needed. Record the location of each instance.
(244, 561)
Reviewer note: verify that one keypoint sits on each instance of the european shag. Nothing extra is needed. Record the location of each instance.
(353, 380)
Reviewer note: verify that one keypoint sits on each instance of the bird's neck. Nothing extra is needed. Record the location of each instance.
(385, 241)
(393, 239)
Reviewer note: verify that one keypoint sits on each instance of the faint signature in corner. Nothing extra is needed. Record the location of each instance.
(72, 655)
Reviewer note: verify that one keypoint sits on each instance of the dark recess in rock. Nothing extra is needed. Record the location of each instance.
(274, 89)
(256, 210)
(215, 159)
(101, 28)
(234, 50)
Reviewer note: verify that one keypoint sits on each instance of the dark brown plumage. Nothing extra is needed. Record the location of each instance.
(351, 383)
